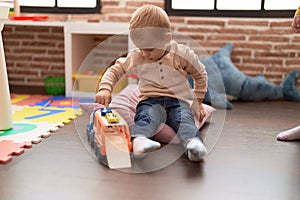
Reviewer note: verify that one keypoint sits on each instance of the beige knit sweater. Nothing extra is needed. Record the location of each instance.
(164, 77)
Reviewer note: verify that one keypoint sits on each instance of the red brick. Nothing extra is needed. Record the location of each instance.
(286, 23)
(59, 52)
(174, 19)
(290, 47)
(264, 61)
(226, 37)
(197, 21)
(197, 30)
(238, 30)
(252, 45)
(274, 54)
(109, 3)
(48, 37)
(241, 52)
(119, 18)
(248, 22)
(31, 29)
(49, 59)
(276, 31)
(109, 10)
(30, 51)
(19, 35)
(269, 38)
(35, 43)
(295, 61)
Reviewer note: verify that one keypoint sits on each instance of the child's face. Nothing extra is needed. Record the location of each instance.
(152, 53)
(155, 51)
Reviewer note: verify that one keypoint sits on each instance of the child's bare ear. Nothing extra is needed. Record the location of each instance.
(168, 37)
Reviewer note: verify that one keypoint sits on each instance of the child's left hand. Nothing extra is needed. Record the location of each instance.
(202, 113)
(198, 111)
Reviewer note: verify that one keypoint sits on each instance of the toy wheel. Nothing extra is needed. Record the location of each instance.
(102, 159)
(90, 139)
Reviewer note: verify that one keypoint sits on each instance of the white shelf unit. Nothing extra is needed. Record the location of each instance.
(79, 42)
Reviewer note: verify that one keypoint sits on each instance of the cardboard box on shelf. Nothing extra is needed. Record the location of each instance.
(89, 83)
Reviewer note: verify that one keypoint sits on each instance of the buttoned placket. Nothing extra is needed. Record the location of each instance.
(161, 70)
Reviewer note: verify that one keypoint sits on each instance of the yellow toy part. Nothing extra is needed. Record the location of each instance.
(112, 117)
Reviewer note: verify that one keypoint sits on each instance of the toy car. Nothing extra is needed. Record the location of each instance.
(108, 135)
(112, 118)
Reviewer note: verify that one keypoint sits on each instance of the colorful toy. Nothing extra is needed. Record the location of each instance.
(108, 135)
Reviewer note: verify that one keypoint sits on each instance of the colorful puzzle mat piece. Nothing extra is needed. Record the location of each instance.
(26, 99)
(53, 115)
(64, 102)
(28, 132)
(9, 148)
(54, 101)
(36, 117)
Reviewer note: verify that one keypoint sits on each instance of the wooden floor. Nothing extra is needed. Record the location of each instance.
(245, 162)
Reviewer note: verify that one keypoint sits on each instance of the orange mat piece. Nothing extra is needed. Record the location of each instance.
(10, 148)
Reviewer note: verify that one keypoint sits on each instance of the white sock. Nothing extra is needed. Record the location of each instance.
(291, 134)
(195, 149)
(141, 145)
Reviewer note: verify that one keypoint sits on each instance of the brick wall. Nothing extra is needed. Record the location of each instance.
(260, 45)
(33, 53)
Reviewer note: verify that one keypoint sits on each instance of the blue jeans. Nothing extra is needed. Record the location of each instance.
(152, 112)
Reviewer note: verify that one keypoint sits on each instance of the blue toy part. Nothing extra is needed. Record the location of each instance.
(290, 91)
(216, 99)
(215, 94)
(232, 77)
(225, 78)
(90, 128)
(258, 89)
(104, 111)
(91, 139)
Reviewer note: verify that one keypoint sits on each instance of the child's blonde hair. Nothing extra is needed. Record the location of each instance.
(148, 26)
(149, 16)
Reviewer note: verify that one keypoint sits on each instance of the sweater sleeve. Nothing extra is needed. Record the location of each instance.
(113, 74)
(197, 70)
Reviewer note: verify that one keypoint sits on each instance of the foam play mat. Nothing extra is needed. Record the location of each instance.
(35, 117)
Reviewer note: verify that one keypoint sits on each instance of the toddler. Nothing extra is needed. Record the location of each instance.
(162, 66)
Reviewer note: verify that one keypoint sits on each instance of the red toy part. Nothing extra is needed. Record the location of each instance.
(32, 18)
(9, 148)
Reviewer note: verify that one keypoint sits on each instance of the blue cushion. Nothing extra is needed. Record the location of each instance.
(225, 78)
(232, 77)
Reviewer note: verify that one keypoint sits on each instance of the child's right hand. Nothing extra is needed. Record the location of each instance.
(103, 97)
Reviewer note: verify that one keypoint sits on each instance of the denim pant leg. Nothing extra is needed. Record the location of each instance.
(181, 119)
(149, 115)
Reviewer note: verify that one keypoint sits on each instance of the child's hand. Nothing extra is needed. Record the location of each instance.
(202, 113)
(103, 97)
(198, 111)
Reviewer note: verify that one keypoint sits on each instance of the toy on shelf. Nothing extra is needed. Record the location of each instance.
(108, 135)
